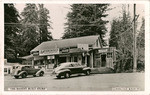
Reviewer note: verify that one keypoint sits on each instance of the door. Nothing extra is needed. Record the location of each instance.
(103, 60)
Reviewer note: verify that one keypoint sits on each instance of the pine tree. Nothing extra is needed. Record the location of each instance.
(141, 47)
(45, 35)
(35, 25)
(12, 29)
(121, 37)
(86, 19)
(30, 27)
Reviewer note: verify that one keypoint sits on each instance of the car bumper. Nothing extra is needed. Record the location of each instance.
(16, 75)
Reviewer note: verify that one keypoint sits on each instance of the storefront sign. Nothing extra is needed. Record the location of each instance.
(38, 58)
(65, 50)
(49, 52)
(83, 46)
(35, 53)
(50, 57)
(102, 50)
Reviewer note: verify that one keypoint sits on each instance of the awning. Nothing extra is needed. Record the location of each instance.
(29, 57)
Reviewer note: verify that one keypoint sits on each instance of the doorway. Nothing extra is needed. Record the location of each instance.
(103, 60)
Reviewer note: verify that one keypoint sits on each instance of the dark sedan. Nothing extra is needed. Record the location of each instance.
(69, 68)
(25, 70)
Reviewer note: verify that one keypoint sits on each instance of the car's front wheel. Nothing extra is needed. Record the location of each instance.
(41, 73)
(67, 75)
(24, 75)
(87, 72)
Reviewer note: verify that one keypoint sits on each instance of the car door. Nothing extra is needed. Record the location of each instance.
(79, 68)
(33, 70)
(76, 68)
(72, 69)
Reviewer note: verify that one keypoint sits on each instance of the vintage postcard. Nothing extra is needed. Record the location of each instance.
(75, 47)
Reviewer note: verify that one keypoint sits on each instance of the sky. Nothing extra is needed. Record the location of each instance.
(58, 14)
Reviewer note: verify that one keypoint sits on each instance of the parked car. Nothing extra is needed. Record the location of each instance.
(69, 68)
(25, 70)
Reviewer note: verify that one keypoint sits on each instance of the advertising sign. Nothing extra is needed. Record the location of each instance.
(49, 52)
(83, 46)
(50, 57)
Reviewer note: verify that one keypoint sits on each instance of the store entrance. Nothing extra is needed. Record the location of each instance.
(103, 60)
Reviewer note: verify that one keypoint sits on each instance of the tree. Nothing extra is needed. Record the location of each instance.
(121, 37)
(141, 46)
(35, 25)
(12, 30)
(45, 35)
(86, 19)
(30, 30)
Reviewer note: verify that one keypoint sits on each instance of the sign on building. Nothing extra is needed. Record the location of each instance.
(49, 52)
(50, 57)
(83, 46)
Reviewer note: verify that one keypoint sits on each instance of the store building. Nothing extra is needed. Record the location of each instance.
(9, 68)
(86, 50)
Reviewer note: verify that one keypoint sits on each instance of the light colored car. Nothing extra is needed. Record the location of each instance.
(69, 68)
(24, 70)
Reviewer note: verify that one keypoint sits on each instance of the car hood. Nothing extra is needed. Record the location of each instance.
(16, 71)
(58, 68)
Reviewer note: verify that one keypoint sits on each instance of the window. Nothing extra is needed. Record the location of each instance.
(13, 67)
(5, 69)
(70, 65)
(75, 59)
(109, 55)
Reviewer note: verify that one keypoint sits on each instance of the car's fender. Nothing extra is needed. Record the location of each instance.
(63, 71)
(86, 68)
(22, 73)
(38, 72)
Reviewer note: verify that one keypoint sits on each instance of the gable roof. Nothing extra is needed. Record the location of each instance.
(66, 43)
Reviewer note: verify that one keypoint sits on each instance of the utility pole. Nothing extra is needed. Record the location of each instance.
(134, 40)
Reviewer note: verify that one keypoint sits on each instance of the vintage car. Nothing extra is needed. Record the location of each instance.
(24, 70)
(69, 68)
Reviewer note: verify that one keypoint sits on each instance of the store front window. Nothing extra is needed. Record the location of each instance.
(75, 59)
(62, 59)
(5, 69)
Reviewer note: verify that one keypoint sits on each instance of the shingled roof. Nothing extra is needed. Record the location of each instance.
(66, 43)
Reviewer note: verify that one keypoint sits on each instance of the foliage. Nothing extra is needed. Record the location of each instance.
(86, 19)
(44, 24)
(11, 16)
(35, 24)
(141, 46)
(121, 37)
(23, 34)
(29, 27)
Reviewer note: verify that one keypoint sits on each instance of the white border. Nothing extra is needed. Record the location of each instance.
(147, 49)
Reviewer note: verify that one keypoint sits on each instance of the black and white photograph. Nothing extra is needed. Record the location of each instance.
(74, 47)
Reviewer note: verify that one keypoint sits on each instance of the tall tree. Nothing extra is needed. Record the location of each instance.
(44, 25)
(86, 19)
(12, 29)
(30, 27)
(141, 46)
(35, 26)
(121, 37)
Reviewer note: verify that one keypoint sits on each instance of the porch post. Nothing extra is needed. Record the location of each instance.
(32, 62)
(85, 61)
(91, 58)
